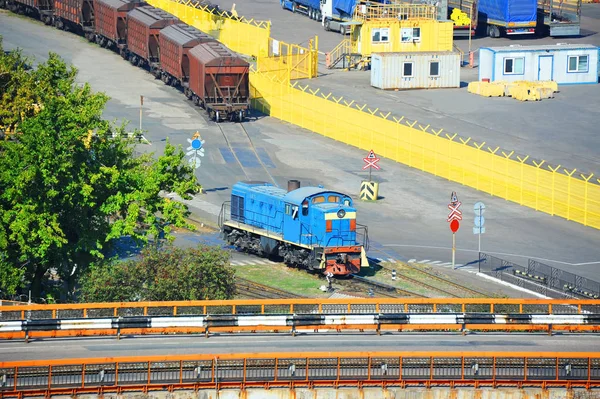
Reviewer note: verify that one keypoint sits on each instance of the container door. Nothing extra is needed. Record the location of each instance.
(545, 65)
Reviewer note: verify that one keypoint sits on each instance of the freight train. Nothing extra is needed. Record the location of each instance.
(207, 72)
(309, 227)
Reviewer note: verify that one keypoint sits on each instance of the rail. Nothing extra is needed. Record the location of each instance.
(299, 315)
(369, 11)
(296, 370)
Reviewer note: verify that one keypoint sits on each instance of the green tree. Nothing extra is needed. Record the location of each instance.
(69, 182)
(162, 274)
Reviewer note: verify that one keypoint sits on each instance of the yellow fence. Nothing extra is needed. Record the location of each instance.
(534, 184)
(245, 36)
(290, 61)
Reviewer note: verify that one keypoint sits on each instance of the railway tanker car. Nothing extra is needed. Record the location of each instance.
(308, 227)
(143, 26)
(176, 41)
(219, 81)
(110, 21)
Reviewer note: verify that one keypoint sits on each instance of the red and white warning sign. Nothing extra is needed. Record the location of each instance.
(371, 161)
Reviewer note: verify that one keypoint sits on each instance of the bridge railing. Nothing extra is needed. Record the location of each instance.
(299, 315)
(302, 306)
(289, 370)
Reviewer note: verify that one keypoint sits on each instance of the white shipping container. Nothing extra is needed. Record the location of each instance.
(415, 70)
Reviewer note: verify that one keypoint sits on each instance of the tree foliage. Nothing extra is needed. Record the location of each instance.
(69, 181)
(169, 274)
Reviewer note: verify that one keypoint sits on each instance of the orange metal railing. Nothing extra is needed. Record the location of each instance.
(289, 370)
(375, 305)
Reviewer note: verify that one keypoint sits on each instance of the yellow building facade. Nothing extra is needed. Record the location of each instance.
(388, 35)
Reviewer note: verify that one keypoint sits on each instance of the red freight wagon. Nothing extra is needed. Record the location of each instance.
(143, 25)
(175, 43)
(219, 81)
(43, 8)
(111, 21)
(75, 15)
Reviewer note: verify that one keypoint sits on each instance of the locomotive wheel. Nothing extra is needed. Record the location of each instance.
(217, 116)
(241, 116)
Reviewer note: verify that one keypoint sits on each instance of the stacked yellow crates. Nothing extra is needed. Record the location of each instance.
(460, 18)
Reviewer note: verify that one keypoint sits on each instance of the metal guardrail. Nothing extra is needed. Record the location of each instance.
(539, 277)
(290, 370)
(293, 315)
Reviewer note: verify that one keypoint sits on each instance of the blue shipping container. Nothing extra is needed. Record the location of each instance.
(504, 12)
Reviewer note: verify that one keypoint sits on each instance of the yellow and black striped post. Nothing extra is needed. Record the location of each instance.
(369, 190)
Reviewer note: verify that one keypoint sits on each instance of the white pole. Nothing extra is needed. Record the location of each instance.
(141, 106)
(453, 249)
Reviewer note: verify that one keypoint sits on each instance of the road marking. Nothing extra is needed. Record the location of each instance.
(494, 253)
(260, 262)
(424, 261)
(435, 262)
(271, 262)
(391, 260)
(445, 264)
(236, 263)
(412, 260)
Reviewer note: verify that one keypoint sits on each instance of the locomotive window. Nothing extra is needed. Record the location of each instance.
(347, 202)
(305, 208)
(295, 212)
(318, 199)
(288, 209)
(333, 198)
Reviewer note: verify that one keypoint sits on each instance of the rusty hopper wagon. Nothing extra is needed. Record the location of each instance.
(219, 81)
(143, 26)
(111, 22)
(42, 8)
(176, 41)
(76, 16)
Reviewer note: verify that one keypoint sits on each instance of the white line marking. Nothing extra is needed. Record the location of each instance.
(445, 264)
(260, 262)
(270, 262)
(412, 260)
(236, 263)
(392, 260)
(494, 253)
(380, 259)
(435, 262)
(424, 261)
(247, 262)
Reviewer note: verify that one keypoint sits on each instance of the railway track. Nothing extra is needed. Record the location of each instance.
(460, 288)
(252, 290)
(358, 283)
(236, 135)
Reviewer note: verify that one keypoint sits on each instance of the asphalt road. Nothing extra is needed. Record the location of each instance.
(409, 223)
(179, 345)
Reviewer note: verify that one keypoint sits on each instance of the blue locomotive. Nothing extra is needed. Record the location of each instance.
(308, 227)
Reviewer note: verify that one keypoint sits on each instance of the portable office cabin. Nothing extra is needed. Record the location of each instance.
(411, 35)
(417, 70)
(562, 63)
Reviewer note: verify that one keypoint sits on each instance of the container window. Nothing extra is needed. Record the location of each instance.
(434, 68)
(410, 34)
(578, 63)
(380, 35)
(407, 69)
(514, 66)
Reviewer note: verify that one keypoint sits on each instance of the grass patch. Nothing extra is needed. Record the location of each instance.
(285, 278)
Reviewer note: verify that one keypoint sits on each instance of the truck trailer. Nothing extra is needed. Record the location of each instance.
(464, 15)
(509, 17)
(560, 17)
(310, 8)
(337, 15)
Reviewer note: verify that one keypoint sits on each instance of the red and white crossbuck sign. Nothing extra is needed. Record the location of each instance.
(455, 214)
(371, 161)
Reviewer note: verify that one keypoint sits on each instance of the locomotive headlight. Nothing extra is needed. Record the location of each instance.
(341, 213)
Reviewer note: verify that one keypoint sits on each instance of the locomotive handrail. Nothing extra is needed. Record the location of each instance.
(290, 370)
